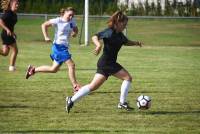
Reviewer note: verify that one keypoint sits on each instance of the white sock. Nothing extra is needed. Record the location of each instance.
(11, 68)
(81, 92)
(124, 90)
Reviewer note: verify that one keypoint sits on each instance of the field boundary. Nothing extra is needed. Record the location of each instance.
(46, 16)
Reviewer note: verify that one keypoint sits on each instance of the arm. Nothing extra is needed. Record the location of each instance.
(74, 32)
(5, 28)
(45, 27)
(97, 44)
(134, 43)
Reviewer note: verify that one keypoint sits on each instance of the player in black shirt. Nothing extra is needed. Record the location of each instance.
(113, 39)
(7, 22)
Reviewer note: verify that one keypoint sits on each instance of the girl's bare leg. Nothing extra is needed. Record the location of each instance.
(72, 75)
(13, 56)
(48, 69)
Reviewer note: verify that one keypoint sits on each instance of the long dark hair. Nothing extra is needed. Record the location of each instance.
(117, 17)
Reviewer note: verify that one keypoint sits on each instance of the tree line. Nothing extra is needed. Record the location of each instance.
(107, 7)
(172, 8)
(97, 7)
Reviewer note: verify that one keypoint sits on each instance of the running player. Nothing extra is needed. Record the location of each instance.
(65, 26)
(113, 39)
(7, 22)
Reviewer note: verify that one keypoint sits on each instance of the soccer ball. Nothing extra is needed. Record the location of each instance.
(143, 102)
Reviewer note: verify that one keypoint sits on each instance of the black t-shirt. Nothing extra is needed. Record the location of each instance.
(113, 41)
(10, 19)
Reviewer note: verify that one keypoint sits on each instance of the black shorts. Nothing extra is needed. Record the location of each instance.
(109, 69)
(7, 40)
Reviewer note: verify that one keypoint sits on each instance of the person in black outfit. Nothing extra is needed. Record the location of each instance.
(107, 65)
(7, 22)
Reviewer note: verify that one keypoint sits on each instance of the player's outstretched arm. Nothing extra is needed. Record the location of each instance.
(97, 44)
(134, 43)
(44, 27)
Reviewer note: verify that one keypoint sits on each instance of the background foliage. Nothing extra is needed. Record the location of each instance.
(107, 7)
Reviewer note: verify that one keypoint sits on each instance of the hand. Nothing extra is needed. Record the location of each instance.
(97, 50)
(9, 33)
(14, 35)
(47, 39)
(73, 34)
(76, 87)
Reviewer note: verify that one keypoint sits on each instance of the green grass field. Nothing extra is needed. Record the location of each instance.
(167, 68)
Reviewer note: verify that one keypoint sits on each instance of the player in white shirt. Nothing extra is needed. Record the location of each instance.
(65, 27)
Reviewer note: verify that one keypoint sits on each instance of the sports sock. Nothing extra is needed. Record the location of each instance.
(81, 92)
(124, 90)
(11, 68)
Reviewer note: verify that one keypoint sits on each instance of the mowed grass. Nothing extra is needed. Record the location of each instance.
(167, 68)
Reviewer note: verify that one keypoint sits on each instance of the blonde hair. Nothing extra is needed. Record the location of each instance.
(62, 10)
(5, 4)
(117, 17)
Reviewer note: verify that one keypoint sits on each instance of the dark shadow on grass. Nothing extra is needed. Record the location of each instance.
(106, 92)
(152, 92)
(158, 113)
(86, 69)
(13, 106)
(132, 92)
(67, 131)
(23, 107)
(81, 69)
(172, 112)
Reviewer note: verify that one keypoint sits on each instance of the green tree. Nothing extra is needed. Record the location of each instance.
(133, 10)
(28, 6)
(181, 9)
(174, 6)
(168, 8)
(196, 8)
(159, 8)
(141, 10)
(147, 8)
(111, 7)
(188, 6)
(153, 9)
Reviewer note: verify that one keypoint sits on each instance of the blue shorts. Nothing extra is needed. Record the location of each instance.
(60, 53)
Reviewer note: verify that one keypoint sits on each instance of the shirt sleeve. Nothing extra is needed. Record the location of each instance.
(73, 23)
(5, 16)
(54, 21)
(104, 34)
(124, 39)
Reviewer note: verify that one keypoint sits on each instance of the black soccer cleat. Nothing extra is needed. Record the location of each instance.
(125, 106)
(69, 104)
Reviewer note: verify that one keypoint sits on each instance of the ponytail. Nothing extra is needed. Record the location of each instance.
(117, 17)
(5, 4)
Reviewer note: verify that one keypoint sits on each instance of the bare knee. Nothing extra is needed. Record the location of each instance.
(129, 78)
(15, 51)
